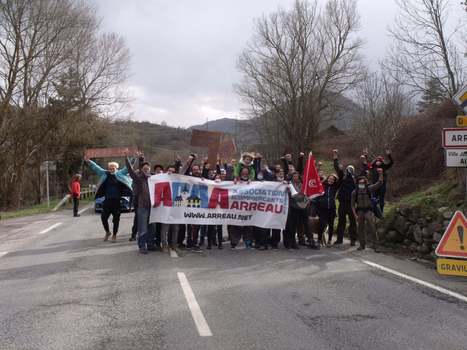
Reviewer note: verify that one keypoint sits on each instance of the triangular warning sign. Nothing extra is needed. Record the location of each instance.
(453, 244)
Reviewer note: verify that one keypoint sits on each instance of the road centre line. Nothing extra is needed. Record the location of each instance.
(50, 228)
(198, 317)
(83, 210)
(3, 254)
(418, 281)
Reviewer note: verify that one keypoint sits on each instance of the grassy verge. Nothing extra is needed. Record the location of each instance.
(38, 209)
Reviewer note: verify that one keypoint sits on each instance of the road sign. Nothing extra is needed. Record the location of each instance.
(456, 158)
(460, 98)
(453, 244)
(453, 267)
(461, 120)
(110, 152)
(455, 138)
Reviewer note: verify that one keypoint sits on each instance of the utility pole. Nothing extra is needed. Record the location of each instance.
(47, 183)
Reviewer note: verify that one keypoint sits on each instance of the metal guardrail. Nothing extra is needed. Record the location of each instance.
(86, 193)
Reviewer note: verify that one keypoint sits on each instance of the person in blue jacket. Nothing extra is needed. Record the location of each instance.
(113, 184)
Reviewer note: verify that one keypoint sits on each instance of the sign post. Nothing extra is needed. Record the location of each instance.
(453, 245)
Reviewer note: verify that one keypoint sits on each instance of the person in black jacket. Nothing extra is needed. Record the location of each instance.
(381, 163)
(326, 206)
(344, 196)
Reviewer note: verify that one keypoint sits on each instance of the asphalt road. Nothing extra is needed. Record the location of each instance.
(61, 287)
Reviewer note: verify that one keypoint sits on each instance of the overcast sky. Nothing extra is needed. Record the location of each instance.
(184, 52)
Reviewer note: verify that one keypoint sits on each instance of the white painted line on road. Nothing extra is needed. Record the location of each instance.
(83, 210)
(3, 254)
(50, 228)
(196, 313)
(315, 256)
(173, 254)
(416, 280)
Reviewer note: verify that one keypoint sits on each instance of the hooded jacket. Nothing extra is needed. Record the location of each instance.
(347, 185)
(121, 175)
(251, 168)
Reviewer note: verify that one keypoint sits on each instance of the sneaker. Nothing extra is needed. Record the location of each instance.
(106, 237)
(301, 242)
(196, 247)
(352, 243)
(114, 238)
(336, 243)
(77, 215)
(314, 246)
(143, 251)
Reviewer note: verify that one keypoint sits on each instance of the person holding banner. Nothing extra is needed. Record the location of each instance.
(242, 232)
(140, 180)
(113, 184)
(298, 212)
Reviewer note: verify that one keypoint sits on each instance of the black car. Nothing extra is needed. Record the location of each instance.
(125, 204)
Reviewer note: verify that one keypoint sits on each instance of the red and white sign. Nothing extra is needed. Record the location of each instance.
(455, 138)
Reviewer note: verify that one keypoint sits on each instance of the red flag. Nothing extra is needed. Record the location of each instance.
(311, 186)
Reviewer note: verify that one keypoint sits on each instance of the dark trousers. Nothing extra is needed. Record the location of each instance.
(193, 233)
(262, 236)
(75, 205)
(380, 194)
(326, 218)
(275, 237)
(344, 211)
(213, 233)
(134, 228)
(240, 232)
(111, 207)
(295, 218)
(157, 234)
(181, 234)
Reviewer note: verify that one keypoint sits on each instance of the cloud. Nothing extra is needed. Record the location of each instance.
(184, 52)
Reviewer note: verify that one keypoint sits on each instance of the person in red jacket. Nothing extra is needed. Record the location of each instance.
(76, 193)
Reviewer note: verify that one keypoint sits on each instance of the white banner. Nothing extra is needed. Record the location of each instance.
(180, 199)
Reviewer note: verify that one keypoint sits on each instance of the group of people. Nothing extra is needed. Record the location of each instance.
(360, 193)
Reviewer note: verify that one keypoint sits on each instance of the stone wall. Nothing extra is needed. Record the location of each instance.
(415, 228)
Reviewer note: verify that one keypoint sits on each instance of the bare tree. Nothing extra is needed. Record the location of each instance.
(56, 71)
(381, 104)
(424, 49)
(294, 66)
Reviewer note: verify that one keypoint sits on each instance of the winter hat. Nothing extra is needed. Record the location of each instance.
(350, 167)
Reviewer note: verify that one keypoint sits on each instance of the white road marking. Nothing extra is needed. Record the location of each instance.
(83, 210)
(3, 254)
(50, 228)
(314, 256)
(196, 313)
(418, 281)
(173, 254)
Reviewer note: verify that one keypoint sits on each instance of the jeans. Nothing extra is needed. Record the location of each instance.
(167, 229)
(145, 235)
(326, 218)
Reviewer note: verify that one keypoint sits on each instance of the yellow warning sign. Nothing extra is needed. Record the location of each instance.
(452, 267)
(454, 241)
(461, 120)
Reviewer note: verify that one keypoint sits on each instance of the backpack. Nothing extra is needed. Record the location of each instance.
(374, 204)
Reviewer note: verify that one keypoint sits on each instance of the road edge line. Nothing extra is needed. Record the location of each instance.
(50, 228)
(2, 254)
(418, 281)
(198, 317)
